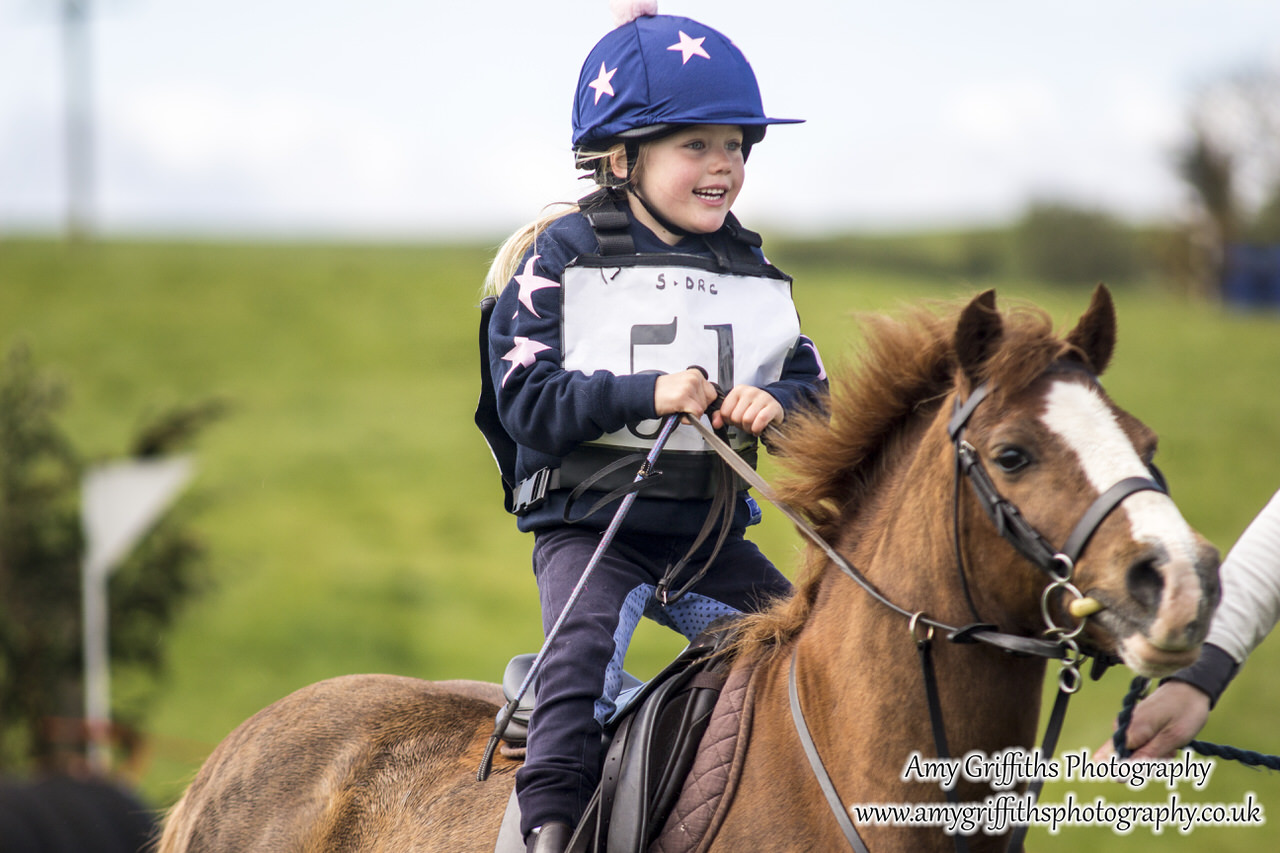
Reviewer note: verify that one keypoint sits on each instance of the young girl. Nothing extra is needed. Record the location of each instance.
(604, 309)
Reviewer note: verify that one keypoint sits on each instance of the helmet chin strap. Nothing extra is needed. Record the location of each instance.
(653, 211)
(633, 156)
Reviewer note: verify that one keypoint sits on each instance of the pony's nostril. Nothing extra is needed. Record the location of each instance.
(1145, 582)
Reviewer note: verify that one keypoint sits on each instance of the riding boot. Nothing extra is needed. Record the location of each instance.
(551, 837)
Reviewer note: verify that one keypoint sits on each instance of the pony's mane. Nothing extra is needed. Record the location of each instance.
(833, 461)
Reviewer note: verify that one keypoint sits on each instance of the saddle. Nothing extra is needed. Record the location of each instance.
(651, 741)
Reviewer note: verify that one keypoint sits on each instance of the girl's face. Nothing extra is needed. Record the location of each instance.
(691, 177)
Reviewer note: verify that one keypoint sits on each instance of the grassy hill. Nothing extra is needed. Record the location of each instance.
(352, 511)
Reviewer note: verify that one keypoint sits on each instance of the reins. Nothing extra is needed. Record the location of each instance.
(978, 632)
(1057, 564)
(917, 621)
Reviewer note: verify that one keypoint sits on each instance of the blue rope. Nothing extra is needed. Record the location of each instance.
(1137, 688)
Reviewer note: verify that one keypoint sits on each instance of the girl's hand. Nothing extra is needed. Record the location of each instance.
(1164, 722)
(686, 392)
(748, 408)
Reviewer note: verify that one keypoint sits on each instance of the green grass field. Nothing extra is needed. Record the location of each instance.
(352, 511)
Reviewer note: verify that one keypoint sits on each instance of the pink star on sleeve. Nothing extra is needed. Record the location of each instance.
(530, 283)
(523, 354)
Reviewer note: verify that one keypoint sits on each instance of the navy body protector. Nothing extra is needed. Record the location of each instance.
(605, 211)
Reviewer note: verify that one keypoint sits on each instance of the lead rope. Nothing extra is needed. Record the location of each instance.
(1137, 689)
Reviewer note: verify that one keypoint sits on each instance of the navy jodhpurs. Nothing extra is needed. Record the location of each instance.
(581, 675)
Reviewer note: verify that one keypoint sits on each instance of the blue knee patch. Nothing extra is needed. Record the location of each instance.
(633, 608)
(691, 614)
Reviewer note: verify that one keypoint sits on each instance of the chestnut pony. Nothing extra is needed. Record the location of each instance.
(365, 763)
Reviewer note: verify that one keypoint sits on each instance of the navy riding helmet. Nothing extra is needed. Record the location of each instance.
(658, 72)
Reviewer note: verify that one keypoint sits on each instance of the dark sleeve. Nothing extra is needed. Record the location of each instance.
(803, 383)
(1211, 672)
(541, 405)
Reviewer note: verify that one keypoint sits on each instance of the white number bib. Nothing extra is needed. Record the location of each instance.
(663, 318)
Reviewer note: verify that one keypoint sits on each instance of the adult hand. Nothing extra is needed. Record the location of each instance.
(748, 408)
(1164, 722)
(686, 392)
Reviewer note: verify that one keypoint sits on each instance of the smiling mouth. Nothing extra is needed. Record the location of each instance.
(711, 195)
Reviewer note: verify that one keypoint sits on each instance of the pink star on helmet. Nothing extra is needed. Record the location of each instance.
(601, 84)
(523, 354)
(529, 284)
(688, 47)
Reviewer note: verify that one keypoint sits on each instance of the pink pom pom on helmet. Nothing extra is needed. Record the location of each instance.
(626, 11)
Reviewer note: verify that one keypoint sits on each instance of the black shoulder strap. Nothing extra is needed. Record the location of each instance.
(736, 246)
(745, 235)
(501, 445)
(605, 212)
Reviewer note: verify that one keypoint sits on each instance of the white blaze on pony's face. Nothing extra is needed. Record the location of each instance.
(1172, 556)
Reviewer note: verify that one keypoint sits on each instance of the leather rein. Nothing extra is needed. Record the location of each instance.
(1059, 642)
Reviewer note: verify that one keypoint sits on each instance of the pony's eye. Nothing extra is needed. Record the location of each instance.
(1011, 460)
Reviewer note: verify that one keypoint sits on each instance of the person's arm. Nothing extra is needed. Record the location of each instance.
(1250, 575)
(1174, 713)
(803, 382)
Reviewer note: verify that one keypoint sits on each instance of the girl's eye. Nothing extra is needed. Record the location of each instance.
(735, 145)
(1011, 460)
(695, 144)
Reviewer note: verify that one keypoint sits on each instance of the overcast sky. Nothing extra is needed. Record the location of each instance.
(422, 119)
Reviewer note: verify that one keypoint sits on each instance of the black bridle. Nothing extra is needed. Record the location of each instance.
(1058, 564)
(1059, 642)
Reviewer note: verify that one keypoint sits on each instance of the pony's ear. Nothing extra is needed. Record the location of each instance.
(1095, 334)
(978, 334)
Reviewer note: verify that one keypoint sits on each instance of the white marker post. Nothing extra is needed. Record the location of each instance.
(119, 502)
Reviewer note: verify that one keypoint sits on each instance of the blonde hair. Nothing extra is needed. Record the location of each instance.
(507, 259)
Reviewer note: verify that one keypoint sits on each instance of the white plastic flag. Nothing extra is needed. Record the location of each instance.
(118, 504)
